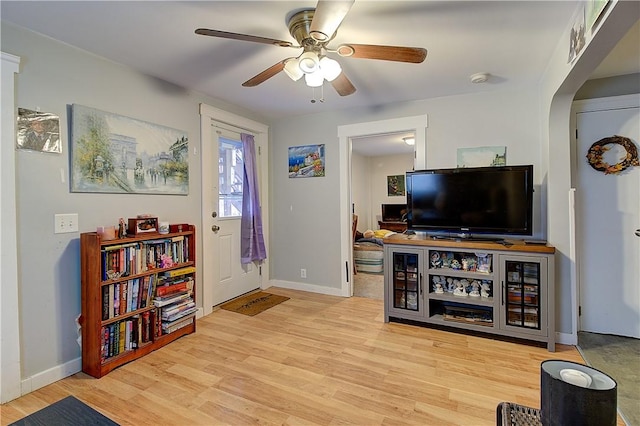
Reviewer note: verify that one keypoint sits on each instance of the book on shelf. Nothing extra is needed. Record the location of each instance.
(145, 327)
(122, 303)
(132, 295)
(173, 298)
(121, 336)
(180, 314)
(170, 327)
(116, 299)
(165, 290)
(105, 302)
(177, 272)
(172, 311)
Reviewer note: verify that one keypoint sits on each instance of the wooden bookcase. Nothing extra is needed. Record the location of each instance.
(105, 274)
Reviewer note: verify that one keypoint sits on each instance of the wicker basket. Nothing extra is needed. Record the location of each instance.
(510, 414)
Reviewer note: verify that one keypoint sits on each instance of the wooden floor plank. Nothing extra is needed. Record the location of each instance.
(311, 360)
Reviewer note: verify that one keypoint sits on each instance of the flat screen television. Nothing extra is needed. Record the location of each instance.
(468, 201)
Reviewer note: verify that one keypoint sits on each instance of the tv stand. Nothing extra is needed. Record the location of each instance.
(501, 288)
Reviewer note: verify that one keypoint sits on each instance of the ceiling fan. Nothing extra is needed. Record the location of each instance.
(314, 29)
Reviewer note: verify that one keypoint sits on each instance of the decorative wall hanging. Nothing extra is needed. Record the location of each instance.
(395, 185)
(484, 156)
(38, 131)
(306, 161)
(116, 154)
(577, 38)
(596, 152)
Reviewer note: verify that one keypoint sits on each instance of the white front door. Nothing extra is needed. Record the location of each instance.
(235, 278)
(224, 277)
(607, 216)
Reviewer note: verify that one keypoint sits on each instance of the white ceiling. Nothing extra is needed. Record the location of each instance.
(511, 40)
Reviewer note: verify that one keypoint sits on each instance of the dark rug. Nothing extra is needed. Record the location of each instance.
(254, 303)
(66, 412)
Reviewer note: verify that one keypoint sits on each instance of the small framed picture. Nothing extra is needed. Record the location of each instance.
(145, 225)
(395, 185)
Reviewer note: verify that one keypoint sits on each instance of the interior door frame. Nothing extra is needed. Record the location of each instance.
(418, 125)
(261, 138)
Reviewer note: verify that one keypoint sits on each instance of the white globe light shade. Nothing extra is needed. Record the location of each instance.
(330, 68)
(314, 79)
(292, 69)
(308, 62)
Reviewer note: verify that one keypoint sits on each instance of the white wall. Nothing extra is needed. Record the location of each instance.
(53, 76)
(370, 174)
(309, 207)
(360, 190)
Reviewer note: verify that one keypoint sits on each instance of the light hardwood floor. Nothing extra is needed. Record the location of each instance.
(313, 359)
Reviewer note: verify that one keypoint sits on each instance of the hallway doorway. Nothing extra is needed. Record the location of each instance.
(347, 134)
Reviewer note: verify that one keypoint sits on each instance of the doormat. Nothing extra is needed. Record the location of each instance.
(67, 411)
(253, 304)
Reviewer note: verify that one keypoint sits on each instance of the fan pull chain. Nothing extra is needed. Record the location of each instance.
(313, 100)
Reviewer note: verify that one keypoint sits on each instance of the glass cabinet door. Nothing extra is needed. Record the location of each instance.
(522, 296)
(405, 282)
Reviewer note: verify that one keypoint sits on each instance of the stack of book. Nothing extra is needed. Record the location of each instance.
(174, 300)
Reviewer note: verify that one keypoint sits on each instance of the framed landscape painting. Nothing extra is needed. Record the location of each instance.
(484, 156)
(116, 154)
(306, 161)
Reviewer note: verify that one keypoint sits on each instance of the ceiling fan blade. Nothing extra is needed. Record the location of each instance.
(327, 18)
(265, 75)
(413, 55)
(244, 37)
(343, 85)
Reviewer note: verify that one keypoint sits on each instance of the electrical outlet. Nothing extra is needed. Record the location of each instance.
(64, 223)
(303, 273)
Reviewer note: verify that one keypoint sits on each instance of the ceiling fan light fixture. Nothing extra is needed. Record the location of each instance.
(314, 79)
(330, 68)
(292, 69)
(319, 36)
(345, 50)
(308, 62)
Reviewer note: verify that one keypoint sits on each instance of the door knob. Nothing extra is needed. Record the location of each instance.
(215, 228)
(637, 232)
(214, 214)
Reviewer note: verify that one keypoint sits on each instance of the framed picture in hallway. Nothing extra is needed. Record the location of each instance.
(395, 186)
(112, 153)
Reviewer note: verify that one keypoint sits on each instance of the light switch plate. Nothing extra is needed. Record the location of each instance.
(64, 223)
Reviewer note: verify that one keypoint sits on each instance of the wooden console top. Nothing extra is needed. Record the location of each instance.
(505, 245)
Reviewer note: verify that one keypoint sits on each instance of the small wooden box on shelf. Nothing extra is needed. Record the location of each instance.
(138, 294)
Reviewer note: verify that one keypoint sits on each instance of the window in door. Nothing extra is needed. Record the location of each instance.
(230, 175)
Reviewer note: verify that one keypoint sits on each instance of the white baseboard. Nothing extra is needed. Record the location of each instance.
(331, 291)
(51, 375)
(567, 338)
(59, 372)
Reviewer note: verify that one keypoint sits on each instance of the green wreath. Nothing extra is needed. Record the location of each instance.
(597, 150)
